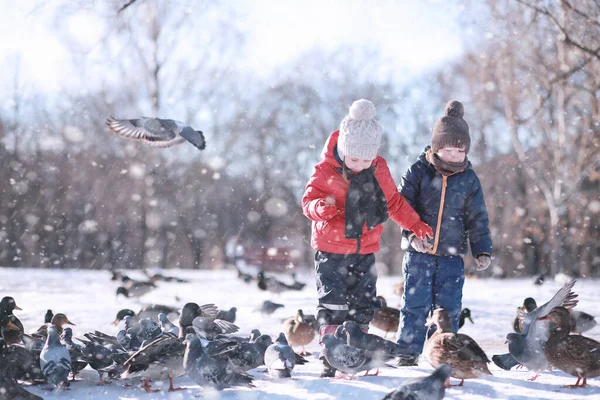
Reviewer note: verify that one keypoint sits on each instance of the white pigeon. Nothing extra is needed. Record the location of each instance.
(156, 131)
(55, 360)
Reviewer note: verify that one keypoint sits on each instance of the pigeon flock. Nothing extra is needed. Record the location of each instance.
(201, 342)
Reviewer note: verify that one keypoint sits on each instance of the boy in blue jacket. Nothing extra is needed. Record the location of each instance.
(446, 193)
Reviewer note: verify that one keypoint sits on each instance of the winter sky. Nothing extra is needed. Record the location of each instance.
(414, 35)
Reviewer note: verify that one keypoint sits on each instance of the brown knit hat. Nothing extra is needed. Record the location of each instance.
(451, 130)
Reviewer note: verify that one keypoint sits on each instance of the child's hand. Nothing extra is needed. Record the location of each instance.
(326, 208)
(422, 230)
(483, 262)
(422, 246)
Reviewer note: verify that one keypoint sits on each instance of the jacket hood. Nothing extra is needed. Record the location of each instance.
(329, 152)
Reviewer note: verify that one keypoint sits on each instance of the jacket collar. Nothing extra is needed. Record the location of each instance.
(423, 159)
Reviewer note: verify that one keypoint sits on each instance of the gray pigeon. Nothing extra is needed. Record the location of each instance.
(167, 326)
(104, 354)
(350, 360)
(148, 330)
(240, 356)
(156, 131)
(528, 347)
(355, 337)
(55, 360)
(431, 387)
(268, 307)
(75, 350)
(582, 322)
(280, 358)
(206, 370)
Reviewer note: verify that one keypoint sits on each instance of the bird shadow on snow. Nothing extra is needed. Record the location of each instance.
(536, 390)
(362, 387)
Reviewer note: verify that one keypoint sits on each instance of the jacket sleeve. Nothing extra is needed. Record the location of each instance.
(314, 193)
(477, 222)
(399, 209)
(409, 189)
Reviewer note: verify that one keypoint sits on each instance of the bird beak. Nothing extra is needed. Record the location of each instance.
(428, 323)
(12, 326)
(70, 323)
(506, 341)
(18, 308)
(471, 319)
(115, 322)
(543, 318)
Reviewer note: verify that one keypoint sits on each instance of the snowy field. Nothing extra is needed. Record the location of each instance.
(88, 299)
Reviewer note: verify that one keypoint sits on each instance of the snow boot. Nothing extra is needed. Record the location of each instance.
(328, 370)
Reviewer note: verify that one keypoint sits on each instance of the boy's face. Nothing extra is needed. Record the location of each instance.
(452, 154)
(357, 164)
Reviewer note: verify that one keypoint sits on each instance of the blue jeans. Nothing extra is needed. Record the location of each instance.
(430, 282)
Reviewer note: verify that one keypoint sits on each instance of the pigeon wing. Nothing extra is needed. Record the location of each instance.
(148, 129)
(226, 326)
(209, 310)
(347, 359)
(53, 357)
(565, 297)
(537, 336)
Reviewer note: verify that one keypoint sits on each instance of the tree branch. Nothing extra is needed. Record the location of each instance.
(130, 2)
(567, 37)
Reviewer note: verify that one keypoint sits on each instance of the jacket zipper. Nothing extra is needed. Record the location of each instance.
(440, 213)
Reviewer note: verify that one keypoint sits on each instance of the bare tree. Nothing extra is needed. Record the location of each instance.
(545, 88)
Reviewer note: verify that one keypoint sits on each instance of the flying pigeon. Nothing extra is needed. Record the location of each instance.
(158, 132)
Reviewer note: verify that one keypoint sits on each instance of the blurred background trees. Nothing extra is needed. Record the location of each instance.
(75, 195)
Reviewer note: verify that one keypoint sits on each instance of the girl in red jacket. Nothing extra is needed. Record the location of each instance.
(350, 194)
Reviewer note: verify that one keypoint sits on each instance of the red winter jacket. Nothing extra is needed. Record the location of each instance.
(328, 235)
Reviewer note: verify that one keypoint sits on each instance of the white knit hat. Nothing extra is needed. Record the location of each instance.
(360, 133)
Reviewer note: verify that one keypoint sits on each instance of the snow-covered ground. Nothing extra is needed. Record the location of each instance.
(88, 299)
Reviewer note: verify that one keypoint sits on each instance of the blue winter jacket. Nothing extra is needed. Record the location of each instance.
(452, 205)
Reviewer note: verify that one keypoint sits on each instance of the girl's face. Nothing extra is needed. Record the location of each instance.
(356, 164)
(452, 154)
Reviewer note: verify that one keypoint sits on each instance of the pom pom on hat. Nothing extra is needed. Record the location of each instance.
(361, 110)
(454, 108)
(360, 133)
(451, 130)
